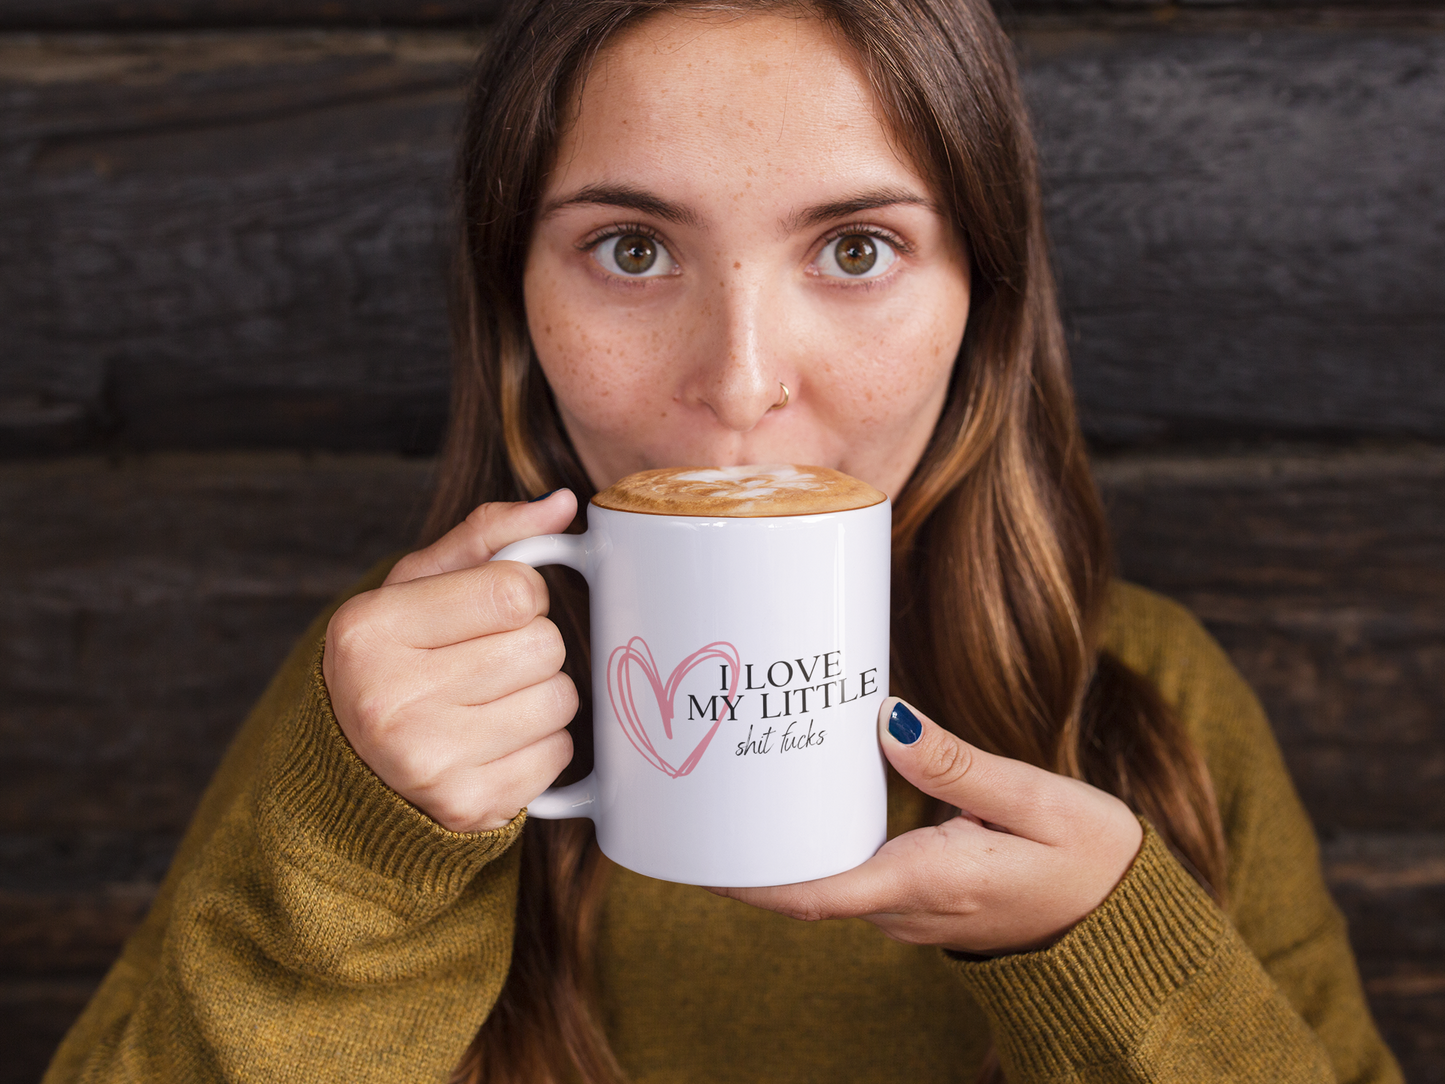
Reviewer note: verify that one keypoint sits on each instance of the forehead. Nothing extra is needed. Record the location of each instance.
(764, 101)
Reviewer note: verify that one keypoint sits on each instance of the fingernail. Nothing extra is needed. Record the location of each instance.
(904, 725)
(543, 497)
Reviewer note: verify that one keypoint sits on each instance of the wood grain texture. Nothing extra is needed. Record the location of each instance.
(1392, 890)
(220, 240)
(235, 240)
(1324, 576)
(1171, 11)
(1248, 228)
(34, 1016)
(153, 14)
(143, 607)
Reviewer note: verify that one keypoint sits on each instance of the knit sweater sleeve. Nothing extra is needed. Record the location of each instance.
(313, 925)
(1161, 984)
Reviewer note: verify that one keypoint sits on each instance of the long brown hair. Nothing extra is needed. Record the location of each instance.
(1001, 551)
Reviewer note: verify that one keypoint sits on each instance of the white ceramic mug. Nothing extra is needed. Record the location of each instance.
(738, 665)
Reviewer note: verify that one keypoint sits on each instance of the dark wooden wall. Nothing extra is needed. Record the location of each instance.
(224, 367)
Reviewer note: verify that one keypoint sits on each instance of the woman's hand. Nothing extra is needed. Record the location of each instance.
(1030, 854)
(446, 679)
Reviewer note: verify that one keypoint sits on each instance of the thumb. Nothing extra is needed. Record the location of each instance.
(996, 790)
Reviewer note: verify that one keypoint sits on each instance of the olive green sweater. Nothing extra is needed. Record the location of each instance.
(314, 926)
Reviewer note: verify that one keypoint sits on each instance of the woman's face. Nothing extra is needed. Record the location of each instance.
(727, 214)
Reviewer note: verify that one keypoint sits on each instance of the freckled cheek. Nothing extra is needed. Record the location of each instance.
(603, 365)
(890, 369)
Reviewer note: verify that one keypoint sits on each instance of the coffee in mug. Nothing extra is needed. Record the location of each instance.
(740, 622)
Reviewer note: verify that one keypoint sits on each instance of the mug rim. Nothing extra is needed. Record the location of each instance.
(714, 517)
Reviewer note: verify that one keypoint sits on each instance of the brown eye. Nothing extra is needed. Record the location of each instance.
(635, 253)
(856, 254)
(634, 256)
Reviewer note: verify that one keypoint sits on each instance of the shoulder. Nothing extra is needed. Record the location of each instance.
(1163, 641)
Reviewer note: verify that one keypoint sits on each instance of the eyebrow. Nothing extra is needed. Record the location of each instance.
(643, 202)
(626, 196)
(866, 201)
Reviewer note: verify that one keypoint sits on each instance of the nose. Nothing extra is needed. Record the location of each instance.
(738, 369)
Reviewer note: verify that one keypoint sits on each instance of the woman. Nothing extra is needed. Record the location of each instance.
(730, 233)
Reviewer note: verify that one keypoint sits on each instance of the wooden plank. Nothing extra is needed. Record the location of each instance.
(1192, 12)
(151, 14)
(1392, 886)
(64, 88)
(1324, 575)
(222, 240)
(1392, 890)
(143, 606)
(215, 240)
(1246, 225)
(34, 1015)
(132, 14)
(68, 933)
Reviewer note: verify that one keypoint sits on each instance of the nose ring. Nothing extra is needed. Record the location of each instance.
(782, 399)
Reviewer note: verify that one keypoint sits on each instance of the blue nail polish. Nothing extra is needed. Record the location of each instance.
(543, 497)
(904, 725)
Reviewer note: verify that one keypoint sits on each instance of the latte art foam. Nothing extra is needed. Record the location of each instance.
(738, 492)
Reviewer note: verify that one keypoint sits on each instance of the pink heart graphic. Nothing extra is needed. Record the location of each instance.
(619, 689)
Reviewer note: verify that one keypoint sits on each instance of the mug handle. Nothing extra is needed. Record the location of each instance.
(579, 799)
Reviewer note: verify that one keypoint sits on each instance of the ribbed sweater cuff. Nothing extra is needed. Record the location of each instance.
(323, 794)
(1091, 997)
